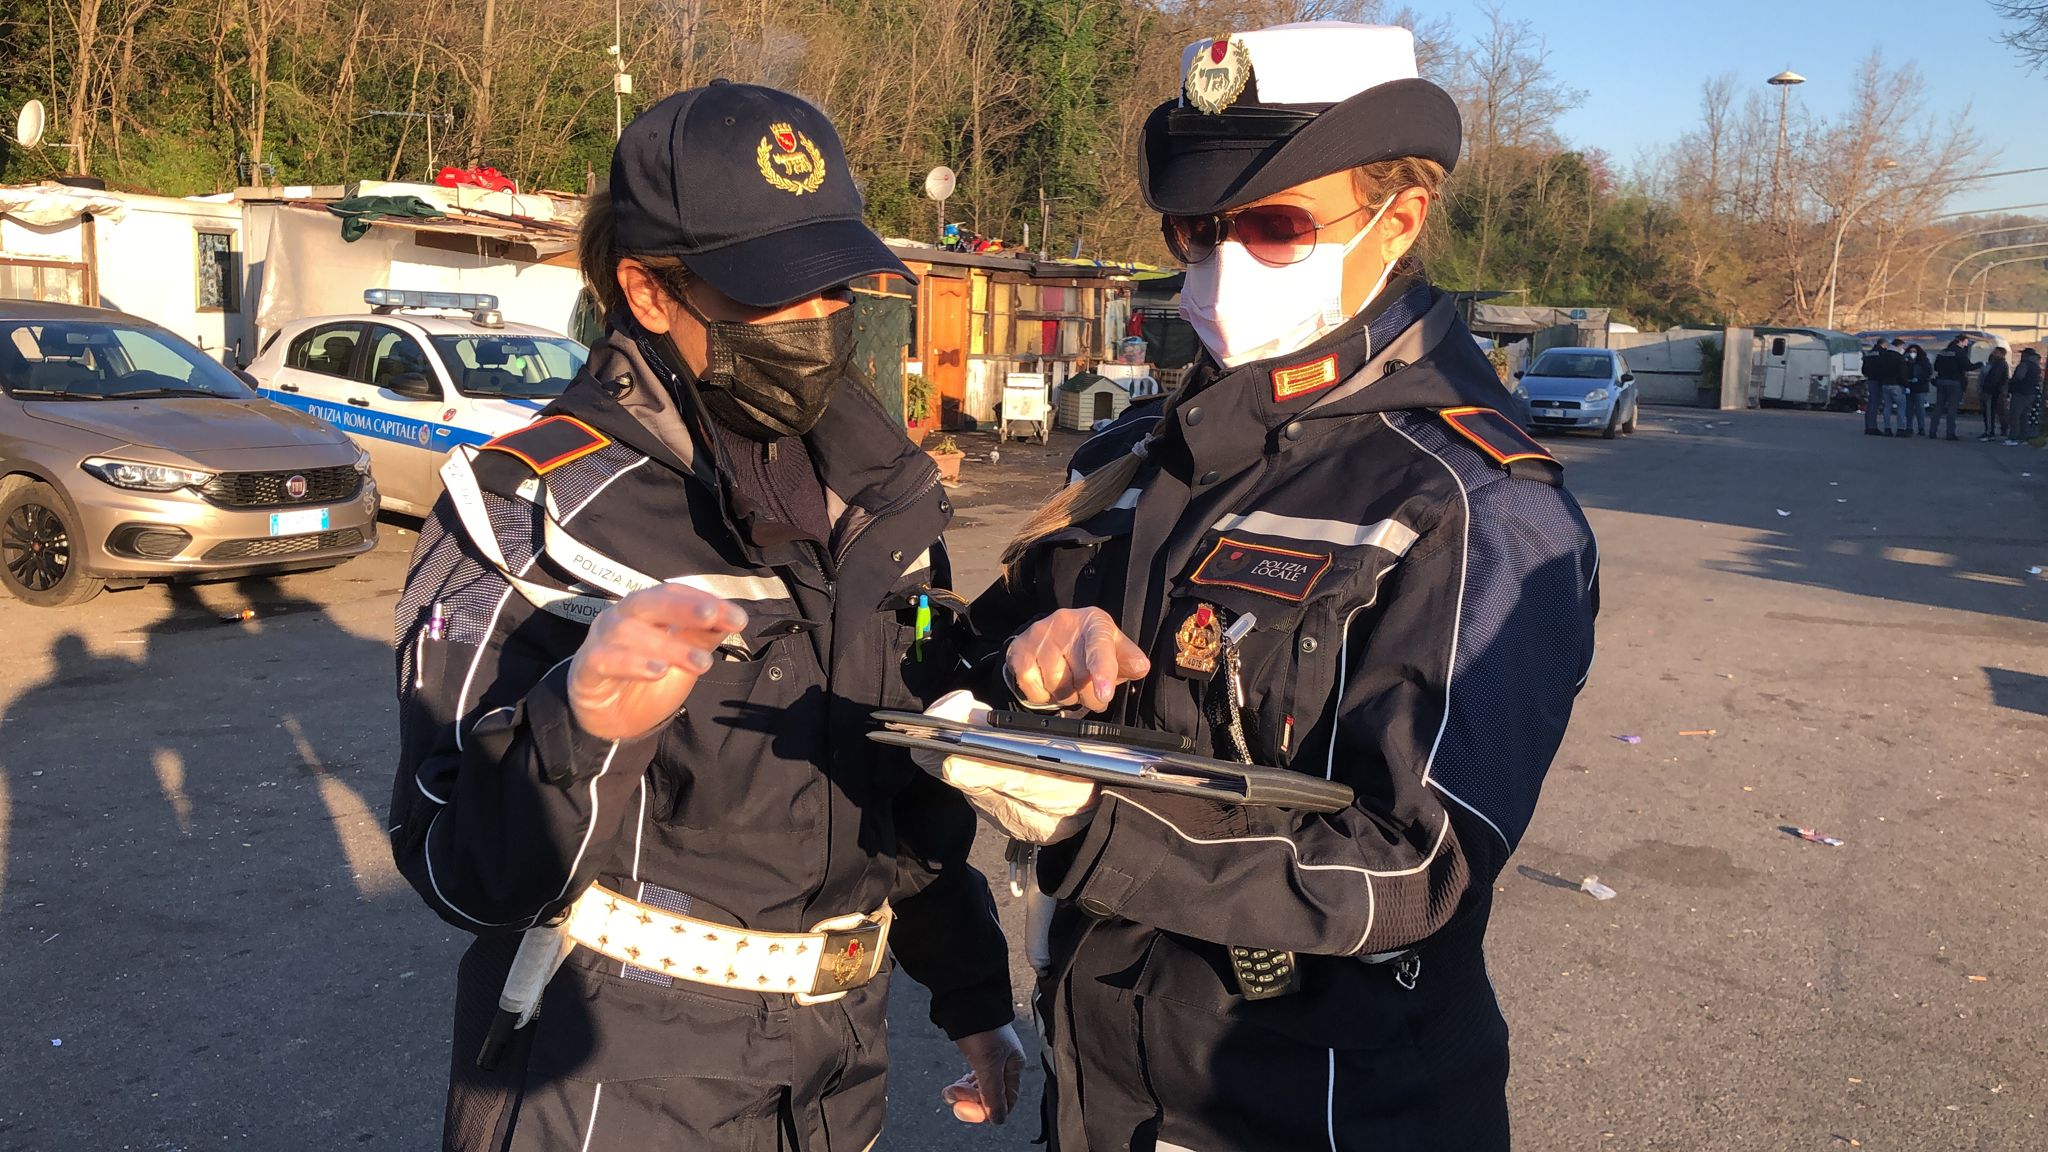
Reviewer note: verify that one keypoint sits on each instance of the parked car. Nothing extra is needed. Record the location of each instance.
(424, 372)
(1580, 389)
(126, 454)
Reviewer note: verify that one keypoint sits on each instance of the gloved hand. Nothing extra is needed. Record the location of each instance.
(1073, 656)
(1039, 807)
(643, 655)
(996, 1059)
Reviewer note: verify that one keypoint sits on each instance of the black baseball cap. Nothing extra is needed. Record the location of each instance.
(749, 187)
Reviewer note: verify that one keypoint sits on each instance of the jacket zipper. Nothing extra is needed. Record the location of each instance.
(853, 534)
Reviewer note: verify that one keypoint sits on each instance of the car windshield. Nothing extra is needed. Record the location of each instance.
(521, 366)
(93, 360)
(1573, 366)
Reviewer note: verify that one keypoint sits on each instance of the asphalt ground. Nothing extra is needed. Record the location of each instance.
(203, 943)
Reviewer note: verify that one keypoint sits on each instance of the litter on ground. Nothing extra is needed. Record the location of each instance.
(1592, 886)
(1811, 836)
(1630, 739)
(1701, 732)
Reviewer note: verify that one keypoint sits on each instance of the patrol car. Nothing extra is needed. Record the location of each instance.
(424, 372)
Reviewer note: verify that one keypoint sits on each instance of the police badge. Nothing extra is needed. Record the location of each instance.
(1217, 75)
(1199, 641)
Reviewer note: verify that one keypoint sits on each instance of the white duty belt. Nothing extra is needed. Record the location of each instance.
(821, 965)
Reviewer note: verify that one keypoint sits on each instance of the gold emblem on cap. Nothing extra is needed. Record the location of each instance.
(1217, 75)
(789, 161)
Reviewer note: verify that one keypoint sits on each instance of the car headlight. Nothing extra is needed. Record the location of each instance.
(362, 460)
(1596, 395)
(145, 477)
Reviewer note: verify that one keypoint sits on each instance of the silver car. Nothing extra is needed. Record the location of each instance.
(1580, 389)
(128, 455)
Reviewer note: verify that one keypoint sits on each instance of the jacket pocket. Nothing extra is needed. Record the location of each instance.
(744, 750)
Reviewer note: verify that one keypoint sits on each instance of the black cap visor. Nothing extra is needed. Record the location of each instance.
(794, 263)
(1191, 164)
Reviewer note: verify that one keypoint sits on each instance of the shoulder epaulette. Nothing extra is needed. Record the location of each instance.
(551, 442)
(1502, 441)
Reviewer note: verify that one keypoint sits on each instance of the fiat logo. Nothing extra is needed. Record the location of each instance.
(295, 487)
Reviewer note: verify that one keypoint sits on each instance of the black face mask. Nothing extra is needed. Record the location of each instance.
(766, 381)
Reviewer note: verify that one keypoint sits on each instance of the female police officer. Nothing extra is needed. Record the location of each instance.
(638, 647)
(1327, 552)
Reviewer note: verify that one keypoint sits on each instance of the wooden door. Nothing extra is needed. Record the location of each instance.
(945, 351)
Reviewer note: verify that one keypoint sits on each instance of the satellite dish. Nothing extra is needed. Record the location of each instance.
(938, 183)
(28, 127)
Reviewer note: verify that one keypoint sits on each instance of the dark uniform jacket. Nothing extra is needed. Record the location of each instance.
(1952, 366)
(1895, 372)
(2027, 377)
(1424, 592)
(761, 805)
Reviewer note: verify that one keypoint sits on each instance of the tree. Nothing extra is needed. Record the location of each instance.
(2029, 31)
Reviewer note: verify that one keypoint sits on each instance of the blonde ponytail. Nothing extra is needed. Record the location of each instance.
(1087, 497)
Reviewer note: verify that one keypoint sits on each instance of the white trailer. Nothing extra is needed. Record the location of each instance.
(1804, 367)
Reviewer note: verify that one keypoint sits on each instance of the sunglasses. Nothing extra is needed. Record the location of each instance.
(1275, 234)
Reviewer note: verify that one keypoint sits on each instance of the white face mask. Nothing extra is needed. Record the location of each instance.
(1244, 309)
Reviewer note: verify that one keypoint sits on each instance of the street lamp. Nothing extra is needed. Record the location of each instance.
(1835, 265)
(1783, 82)
(1983, 277)
(1949, 284)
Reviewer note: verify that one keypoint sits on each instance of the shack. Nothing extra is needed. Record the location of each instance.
(519, 248)
(177, 262)
(979, 317)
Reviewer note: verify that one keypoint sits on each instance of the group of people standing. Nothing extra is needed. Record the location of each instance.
(1908, 394)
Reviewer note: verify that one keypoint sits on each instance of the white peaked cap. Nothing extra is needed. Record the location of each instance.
(1319, 62)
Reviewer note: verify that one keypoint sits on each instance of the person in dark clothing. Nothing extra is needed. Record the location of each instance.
(1873, 388)
(1951, 375)
(1329, 551)
(1894, 375)
(1991, 387)
(1919, 386)
(2023, 399)
(639, 646)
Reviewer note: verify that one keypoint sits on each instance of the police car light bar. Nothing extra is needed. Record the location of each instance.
(408, 298)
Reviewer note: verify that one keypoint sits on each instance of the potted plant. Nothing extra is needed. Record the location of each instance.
(917, 406)
(946, 453)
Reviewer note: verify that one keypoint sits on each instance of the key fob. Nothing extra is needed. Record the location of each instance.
(1263, 973)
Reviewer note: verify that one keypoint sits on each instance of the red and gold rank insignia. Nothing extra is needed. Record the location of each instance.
(1199, 641)
(1217, 75)
(789, 161)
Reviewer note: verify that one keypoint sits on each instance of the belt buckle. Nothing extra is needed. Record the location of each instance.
(849, 957)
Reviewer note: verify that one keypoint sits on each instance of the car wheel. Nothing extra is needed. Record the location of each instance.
(1613, 428)
(1629, 429)
(40, 561)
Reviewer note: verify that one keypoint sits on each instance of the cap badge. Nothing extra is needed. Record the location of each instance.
(789, 161)
(1218, 75)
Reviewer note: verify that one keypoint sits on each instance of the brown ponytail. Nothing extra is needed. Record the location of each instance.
(1093, 494)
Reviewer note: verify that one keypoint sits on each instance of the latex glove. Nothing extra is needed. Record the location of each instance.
(1075, 656)
(643, 655)
(1039, 807)
(993, 1058)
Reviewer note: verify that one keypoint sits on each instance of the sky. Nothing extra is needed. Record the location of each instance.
(1641, 64)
